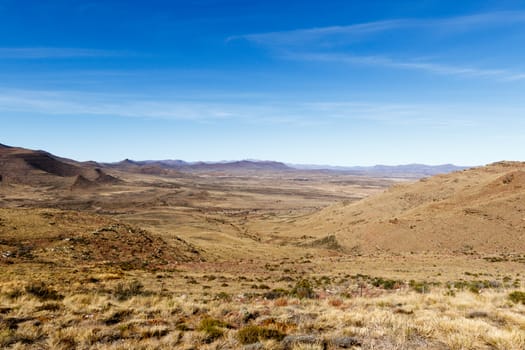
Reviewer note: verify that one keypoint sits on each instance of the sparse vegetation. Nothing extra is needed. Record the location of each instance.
(517, 297)
(100, 308)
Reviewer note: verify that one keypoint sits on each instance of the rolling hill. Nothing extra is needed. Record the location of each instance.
(477, 210)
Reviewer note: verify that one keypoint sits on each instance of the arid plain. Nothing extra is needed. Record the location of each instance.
(258, 255)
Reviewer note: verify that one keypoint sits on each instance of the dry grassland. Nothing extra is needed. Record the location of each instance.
(248, 262)
(217, 307)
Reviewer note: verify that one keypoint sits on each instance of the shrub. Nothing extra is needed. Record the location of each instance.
(223, 296)
(209, 322)
(475, 287)
(276, 294)
(385, 283)
(42, 291)
(325, 280)
(303, 290)
(420, 287)
(212, 328)
(253, 334)
(517, 297)
(124, 292)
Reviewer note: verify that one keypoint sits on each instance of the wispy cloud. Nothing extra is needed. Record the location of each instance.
(73, 103)
(264, 111)
(381, 61)
(53, 52)
(307, 36)
(337, 43)
(352, 32)
(189, 109)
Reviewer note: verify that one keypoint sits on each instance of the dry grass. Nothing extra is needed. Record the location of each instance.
(314, 301)
(164, 313)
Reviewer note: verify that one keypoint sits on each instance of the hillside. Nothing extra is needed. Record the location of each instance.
(67, 238)
(477, 210)
(24, 166)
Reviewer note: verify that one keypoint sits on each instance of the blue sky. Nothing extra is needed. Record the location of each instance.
(317, 82)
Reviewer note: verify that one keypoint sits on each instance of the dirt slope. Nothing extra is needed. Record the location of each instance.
(476, 210)
(68, 238)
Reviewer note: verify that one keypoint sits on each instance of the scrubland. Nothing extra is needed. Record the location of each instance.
(274, 307)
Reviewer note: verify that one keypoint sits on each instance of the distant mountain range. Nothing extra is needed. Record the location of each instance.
(20, 165)
(410, 170)
(180, 165)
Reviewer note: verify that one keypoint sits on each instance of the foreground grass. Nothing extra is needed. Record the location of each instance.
(109, 310)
